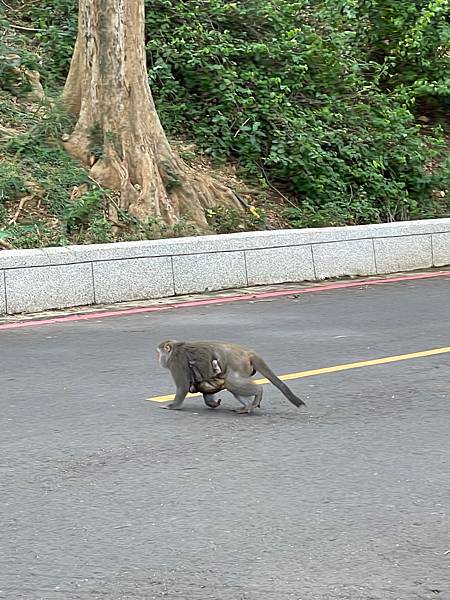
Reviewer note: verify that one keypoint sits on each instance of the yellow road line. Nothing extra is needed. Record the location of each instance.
(335, 369)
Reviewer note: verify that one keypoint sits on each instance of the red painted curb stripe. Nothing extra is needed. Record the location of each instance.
(240, 297)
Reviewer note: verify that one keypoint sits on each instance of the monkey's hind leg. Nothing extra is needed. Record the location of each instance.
(247, 407)
(248, 394)
(209, 400)
(257, 399)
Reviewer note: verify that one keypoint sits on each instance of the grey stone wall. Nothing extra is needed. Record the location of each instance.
(35, 280)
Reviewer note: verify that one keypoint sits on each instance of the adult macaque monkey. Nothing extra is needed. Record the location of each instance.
(236, 363)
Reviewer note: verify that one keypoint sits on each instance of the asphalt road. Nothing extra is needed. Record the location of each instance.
(106, 496)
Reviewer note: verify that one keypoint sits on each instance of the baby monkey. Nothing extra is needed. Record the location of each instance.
(206, 384)
(210, 367)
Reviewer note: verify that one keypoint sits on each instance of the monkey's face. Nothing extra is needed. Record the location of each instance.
(161, 357)
(163, 352)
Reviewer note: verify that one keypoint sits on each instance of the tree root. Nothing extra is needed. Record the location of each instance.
(22, 202)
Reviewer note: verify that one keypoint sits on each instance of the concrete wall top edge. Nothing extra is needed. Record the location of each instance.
(10, 259)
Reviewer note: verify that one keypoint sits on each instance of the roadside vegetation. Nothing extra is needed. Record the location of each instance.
(315, 112)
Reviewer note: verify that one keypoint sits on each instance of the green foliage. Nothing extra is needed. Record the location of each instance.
(51, 126)
(228, 220)
(3, 215)
(408, 40)
(53, 27)
(99, 231)
(35, 235)
(12, 183)
(13, 59)
(40, 154)
(96, 141)
(294, 99)
(51, 167)
(78, 214)
(171, 178)
(156, 229)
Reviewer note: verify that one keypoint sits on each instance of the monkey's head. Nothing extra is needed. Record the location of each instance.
(164, 352)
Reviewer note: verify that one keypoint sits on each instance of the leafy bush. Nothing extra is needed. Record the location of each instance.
(33, 235)
(53, 31)
(409, 40)
(273, 85)
(228, 220)
(12, 183)
(13, 59)
(79, 213)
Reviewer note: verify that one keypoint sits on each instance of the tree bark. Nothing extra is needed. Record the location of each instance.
(118, 132)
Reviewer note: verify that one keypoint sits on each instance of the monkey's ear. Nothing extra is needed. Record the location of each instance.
(168, 347)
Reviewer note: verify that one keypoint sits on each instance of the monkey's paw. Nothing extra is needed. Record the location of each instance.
(171, 407)
(245, 410)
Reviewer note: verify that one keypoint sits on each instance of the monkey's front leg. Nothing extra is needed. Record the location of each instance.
(180, 395)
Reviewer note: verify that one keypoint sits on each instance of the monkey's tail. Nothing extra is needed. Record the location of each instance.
(265, 370)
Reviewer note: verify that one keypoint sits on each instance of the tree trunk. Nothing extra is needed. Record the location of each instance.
(118, 132)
